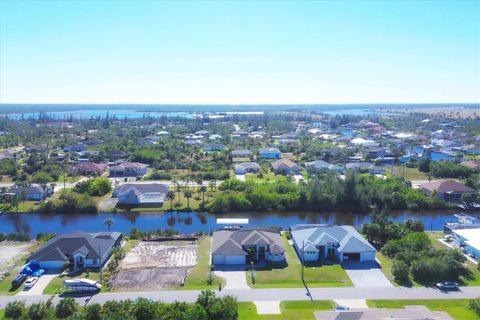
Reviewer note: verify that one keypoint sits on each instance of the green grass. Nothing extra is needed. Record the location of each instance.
(386, 264)
(197, 279)
(410, 173)
(68, 179)
(456, 308)
(288, 275)
(24, 206)
(2, 314)
(294, 310)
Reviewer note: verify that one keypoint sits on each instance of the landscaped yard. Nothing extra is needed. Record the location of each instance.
(289, 274)
(290, 310)
(197, 279)
(456, 308)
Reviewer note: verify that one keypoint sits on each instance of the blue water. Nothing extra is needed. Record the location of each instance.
(194, 222)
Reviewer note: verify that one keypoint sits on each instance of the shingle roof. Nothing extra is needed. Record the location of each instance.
(447, 186)
(230, 242)
(285, 163)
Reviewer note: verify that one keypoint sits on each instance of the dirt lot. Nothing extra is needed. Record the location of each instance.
(155, 265)
(10, 252)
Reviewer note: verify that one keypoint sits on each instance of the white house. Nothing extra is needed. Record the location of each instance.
(78, 249)
(316, 242)
(231, 246)
(141, 194)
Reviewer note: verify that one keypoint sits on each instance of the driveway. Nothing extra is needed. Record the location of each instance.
(240, 177)
(234, 275)
(38, 288)
(366, 274)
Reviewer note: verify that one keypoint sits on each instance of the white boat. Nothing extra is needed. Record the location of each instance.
(82, 285)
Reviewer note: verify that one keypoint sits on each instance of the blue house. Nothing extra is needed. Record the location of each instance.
(209, 147)
(322, 166)
(270, 153)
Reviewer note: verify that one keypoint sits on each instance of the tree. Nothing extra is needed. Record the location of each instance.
(66, 307)
(400, 271)
(203, 189)
(15, 309)
(145, 309)
(108, 222)
(43, 179)
(188, 194)
(170, 196)
(93, 312)
(38, 311)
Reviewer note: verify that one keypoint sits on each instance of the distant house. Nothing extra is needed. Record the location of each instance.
(211, 147)
(240, 134)
(141, 194)
(34, 192)
(247, 167)
(270, 153)
(202, 133)
(241, 154)
(287, 141)
(215, 137)
(128, 169)
(448, 190)
(148, 140)
(78, 249)
(318, 242)
(117, 155)
(230, 246)
(75, 147)
(322, 166)
(468, 149)
(88, 169)
(285, 166)
(364, 167)
(7, 154)
(472, 164)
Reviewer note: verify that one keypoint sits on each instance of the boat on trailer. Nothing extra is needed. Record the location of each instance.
(82, 285)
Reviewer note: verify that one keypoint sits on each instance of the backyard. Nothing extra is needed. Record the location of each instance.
(289, 274)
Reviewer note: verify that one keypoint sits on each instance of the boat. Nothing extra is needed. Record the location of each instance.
(82, 285)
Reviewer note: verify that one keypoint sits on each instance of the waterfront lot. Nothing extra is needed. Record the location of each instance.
(456, 308)
(290, 310)
(12, 257)
(289, 274)
(153, 265)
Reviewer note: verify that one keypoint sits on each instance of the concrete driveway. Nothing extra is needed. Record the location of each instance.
(38, 288)
(234, 275)
(366, 274)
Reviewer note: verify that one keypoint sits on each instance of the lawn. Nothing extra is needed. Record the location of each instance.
(197, 279)
(56, 285)
(289, 274)
(290, 310)
(410, 173)
(456, 308)
(386, 264)
(24, 206)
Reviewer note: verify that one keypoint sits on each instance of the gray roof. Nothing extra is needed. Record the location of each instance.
(346, 237)
(64, 246)
(231, 242)
(269, 150)
(241, 153)
(141, 188)
(249, 165)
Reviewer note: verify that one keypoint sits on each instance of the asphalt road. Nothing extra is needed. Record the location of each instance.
(267, 294)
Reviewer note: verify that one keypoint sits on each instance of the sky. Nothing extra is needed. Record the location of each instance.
(249, 52)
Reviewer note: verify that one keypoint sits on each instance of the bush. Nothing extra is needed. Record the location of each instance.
(24, 237)
(65, 308)
(15, 309)
(96, 187)
(38, 311)
(93, 312)
(45, 236)
(401, 273)
(474, 305)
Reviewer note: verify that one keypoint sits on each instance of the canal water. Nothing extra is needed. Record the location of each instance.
(34, 223)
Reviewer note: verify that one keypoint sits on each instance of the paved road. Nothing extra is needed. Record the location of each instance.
(278, 294)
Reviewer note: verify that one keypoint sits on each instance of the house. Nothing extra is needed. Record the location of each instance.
(363, 167)
(315, 242)
(322, 166)
(448, 190)
(33, 192)
(414, 312)
(215, 137)
(78, 249)
(117, 155)
(75, 148)
(270, 153)
(231, 246)
(128, 169)
(285, 166)
(211, 147)
(141, 194)
(247, 167)
(88, 169)
(472, 164)
(240, 134)
(469, 239)
(241, 154)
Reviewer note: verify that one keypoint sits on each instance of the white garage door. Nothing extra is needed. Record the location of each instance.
(235, 259)
(367, 256)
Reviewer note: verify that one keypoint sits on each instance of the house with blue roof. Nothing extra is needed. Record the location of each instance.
(270, 153)
(322, 166)
(316, 242)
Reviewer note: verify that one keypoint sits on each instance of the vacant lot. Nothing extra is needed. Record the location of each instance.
(153, 265)
(10, 252)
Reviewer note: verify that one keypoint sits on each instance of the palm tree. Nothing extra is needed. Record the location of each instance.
(203, 189)
(188, 194)
(170, 196)
(108, 222)
(179, 189)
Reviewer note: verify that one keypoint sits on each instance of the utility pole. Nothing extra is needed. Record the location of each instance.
(303, 258)
(100, 264)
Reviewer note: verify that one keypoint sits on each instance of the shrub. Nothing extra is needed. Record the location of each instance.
(15, 309)
(400, 272)
(66, 307)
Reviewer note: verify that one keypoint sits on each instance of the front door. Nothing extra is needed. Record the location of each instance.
(261, 253)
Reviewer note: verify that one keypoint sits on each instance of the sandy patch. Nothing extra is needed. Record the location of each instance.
(153, 265)
(9, 254)
(268, 307)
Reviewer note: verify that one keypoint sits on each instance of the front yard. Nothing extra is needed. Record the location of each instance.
(291, 310)
(56, 285)
(289, 274)
(456, 308)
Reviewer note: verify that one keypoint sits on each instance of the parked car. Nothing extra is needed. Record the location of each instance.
(19, 280)
(38, 273)
(447, 285)
(31, 282)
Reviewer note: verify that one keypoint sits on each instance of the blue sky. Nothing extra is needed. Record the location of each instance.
(239, 52)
